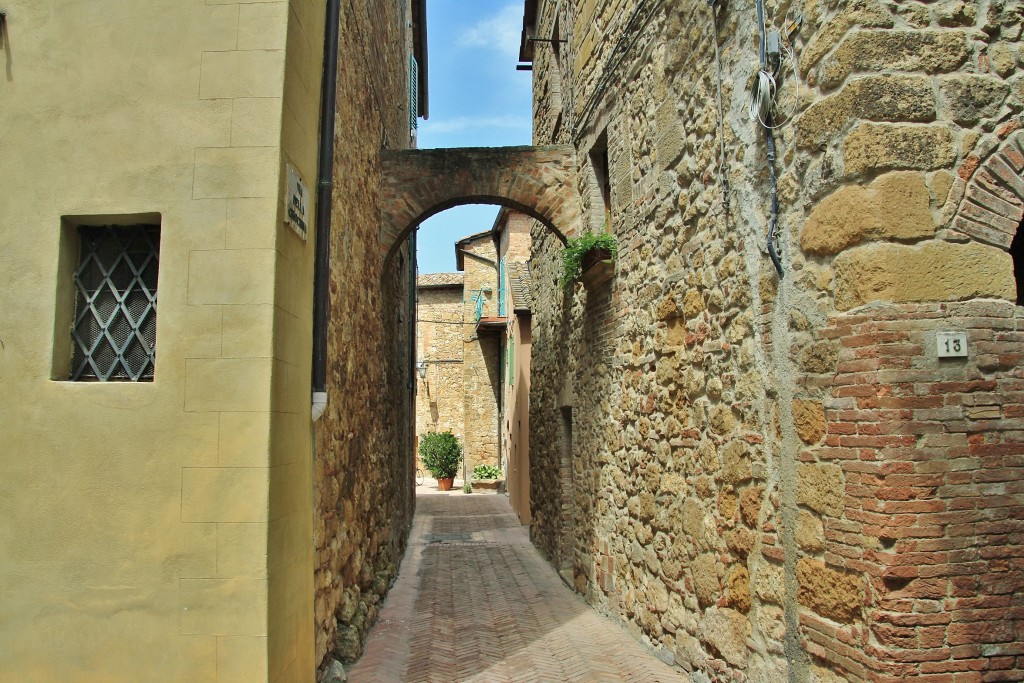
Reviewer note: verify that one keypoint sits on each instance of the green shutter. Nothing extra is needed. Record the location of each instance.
(501, 288)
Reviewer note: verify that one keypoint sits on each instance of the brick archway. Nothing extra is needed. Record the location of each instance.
(992, 205)
(418, 183)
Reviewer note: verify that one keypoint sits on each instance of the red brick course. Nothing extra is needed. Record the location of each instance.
(932, 451)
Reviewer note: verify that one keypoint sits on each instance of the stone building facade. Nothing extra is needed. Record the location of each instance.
(364, 497)
(473, 350)
(440, 399)
(805, 476)
(477, 257)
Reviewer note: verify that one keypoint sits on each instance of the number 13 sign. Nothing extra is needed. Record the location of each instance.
(951, 344)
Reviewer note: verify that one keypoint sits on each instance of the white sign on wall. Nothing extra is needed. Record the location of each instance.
(297, 214)
(951, 344)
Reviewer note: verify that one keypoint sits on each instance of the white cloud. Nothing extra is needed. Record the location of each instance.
(463, 124)
(501, 32)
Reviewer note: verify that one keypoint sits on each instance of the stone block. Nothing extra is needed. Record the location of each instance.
(242, 549)
(750, 505)
(243, 440)
(740, 541)
(256, 121)
(810, 532)
(873, 51)
(693, 518)
(820, 487)
(833, 594)
(224, 172)
(809, 420)
(866, 13)
(238, 73)
(738, 588)
(248, 331)
(736, 462)
(727, 630)
(895, 206)
(819, 357)
(232, 276)
(968, 98)
(935, 271)
(770, 583)
(886, 97)
(872, 147)
(241, 659)
(706, 583)
(262, 26)
(224, 607)
(227, 384)
(224, 494)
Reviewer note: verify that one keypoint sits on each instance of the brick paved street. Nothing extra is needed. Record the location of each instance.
(475, 602)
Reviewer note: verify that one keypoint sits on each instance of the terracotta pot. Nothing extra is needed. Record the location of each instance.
(445, 484)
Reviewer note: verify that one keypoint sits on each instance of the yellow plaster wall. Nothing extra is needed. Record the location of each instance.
(134, 518)
(290, 541)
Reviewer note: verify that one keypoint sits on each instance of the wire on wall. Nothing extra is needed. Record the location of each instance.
(723, 170)
(763, 100)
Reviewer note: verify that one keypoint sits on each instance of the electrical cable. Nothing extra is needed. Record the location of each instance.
(723, 172)
(766, 80)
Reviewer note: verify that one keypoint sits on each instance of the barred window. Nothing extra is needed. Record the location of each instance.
(114, 328)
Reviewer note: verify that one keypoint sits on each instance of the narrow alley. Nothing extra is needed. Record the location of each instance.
(475, 601)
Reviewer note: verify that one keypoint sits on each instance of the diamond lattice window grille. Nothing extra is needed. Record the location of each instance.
(114, 331)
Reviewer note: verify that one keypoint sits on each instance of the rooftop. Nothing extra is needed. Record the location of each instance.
(439, 280)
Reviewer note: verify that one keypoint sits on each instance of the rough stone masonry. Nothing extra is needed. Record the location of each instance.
(775, 478)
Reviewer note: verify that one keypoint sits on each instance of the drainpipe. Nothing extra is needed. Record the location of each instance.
(325, 187)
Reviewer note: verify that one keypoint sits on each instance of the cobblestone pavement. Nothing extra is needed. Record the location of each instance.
(476, 602)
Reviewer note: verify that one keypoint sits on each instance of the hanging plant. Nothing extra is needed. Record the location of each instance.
(578, 250)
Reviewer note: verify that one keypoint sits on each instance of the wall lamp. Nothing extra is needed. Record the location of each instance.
(421, 369)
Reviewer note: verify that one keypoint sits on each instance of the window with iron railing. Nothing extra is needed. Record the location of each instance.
(115, 283)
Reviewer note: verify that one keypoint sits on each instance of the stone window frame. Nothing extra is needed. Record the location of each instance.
(105, 295)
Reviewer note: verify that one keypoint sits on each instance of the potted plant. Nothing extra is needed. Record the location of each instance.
(441, 454)
(584, 253)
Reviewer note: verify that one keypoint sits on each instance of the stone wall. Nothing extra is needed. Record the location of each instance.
(482, 354)
(364, 499)
(778, 479)
(439, 329)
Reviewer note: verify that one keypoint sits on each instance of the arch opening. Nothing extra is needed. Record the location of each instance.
(451, 203)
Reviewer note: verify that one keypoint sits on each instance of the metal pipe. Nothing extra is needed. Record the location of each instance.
(325, 187)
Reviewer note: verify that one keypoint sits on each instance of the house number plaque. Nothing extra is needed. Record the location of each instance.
(951, 344)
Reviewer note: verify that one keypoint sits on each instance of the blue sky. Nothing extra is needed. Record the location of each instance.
(477, 99)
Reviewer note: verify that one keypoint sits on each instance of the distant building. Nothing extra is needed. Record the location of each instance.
(473, 351)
